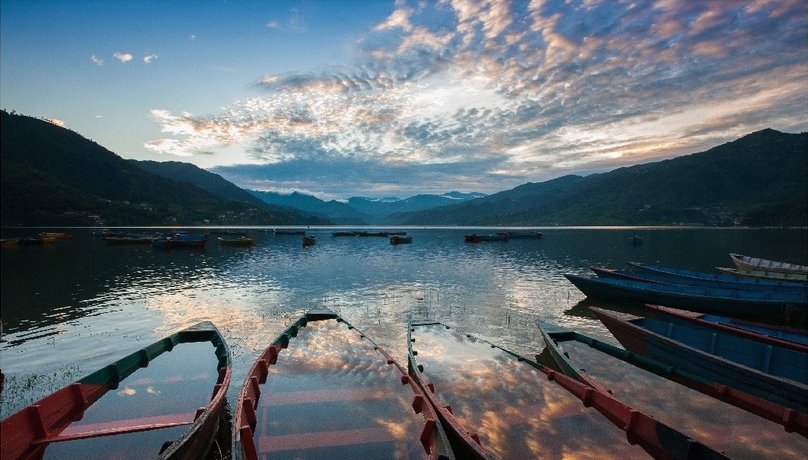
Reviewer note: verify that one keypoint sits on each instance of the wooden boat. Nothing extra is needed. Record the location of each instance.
(245, 241)
(765, 275)
(323, 389)
(131, 238)
(396, 239)
(719, 278)
(724, 357)
(730, 302)
(767, 333)
(142, 415)
(527, 235)
(57, 235)
(376, 234)
(9, 242)
(182, 240)
(650, 277)
(554, 335)
(755, 263)
(289, 232)
(475, 238)
(473, 385)
(336, 234)
(35, 240)
(309, 240)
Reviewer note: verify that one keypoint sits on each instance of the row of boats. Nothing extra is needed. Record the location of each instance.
(324, 389)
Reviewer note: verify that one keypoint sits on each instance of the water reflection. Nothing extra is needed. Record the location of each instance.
(78, 305)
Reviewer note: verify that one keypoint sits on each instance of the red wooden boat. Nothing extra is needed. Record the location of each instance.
(323, 389)
(159, 414)
(495, 403)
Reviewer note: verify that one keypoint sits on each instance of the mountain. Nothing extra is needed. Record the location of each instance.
(54, 176)
(362, 210)
(759, 179)
(194, 175)
(336, 212)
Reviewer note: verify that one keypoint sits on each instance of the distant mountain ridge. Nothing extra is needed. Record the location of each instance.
(759, 179)
(363, 210)
(54, 176)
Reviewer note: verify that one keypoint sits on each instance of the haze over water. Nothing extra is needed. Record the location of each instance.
(78, 305)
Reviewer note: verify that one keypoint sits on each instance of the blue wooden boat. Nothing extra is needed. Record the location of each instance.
(474, 385)
(737, 361)
(322, 389)
(767, 333)
(718, 278)
(730, 302)
(554, 335)
(660, 278)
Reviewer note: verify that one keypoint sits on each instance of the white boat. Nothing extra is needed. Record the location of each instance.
(755, 263)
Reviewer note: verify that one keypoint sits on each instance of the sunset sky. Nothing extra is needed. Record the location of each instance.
(373, 98)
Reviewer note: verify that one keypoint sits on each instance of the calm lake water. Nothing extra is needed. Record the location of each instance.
(77, 305)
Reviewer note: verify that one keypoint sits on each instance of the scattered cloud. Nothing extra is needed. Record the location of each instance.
(293, 22)
(481, 96)
(123, 57)
(57, 122)
(96, 60)
(149, 58)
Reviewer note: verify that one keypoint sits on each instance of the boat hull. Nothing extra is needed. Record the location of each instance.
(631, 332)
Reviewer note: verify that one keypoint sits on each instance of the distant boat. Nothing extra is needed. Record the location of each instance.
(9, 242)
(376, 234)
(57, 235)
(309, 240)
(717, 278)
(245, 241)
(322, 389)
(635, 240)
(730, 302)
(341, 233)
(58, 421)
(475, 238)
(131, 238)
(776, 373)
(555, 335)
(289, 232)
(35, 240)
(397, 239)
(522, 235)
(182, 240)
(755, 263)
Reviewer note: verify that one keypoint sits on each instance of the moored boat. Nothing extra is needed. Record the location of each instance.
(131, 238)
(88, 416)
(57, 235)
(323, 389)
(554, 335)
(731, 302)
(475, 238)
(473, 385)
(343, 233)
(288, 232)
(765, 275)
(309, 240)
(522, 235)
(655, 277)
(181, 240)
(777, 336)
(719, 278)
(244, 241)
(722, 357)
(755, 263)
(396, 239)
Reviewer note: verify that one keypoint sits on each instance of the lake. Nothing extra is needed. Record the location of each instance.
(76, 305)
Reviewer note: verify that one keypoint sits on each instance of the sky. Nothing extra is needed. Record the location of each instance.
(397, 98)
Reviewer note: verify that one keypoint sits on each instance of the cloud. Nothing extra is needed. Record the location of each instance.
(123, 57)
(494, 94)
(57, 122)
(96, 60)
(149, 58)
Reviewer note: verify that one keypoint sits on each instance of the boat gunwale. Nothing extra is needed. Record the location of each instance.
(107, 378)
(791, 420)
(639, 427)
(433, 438)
